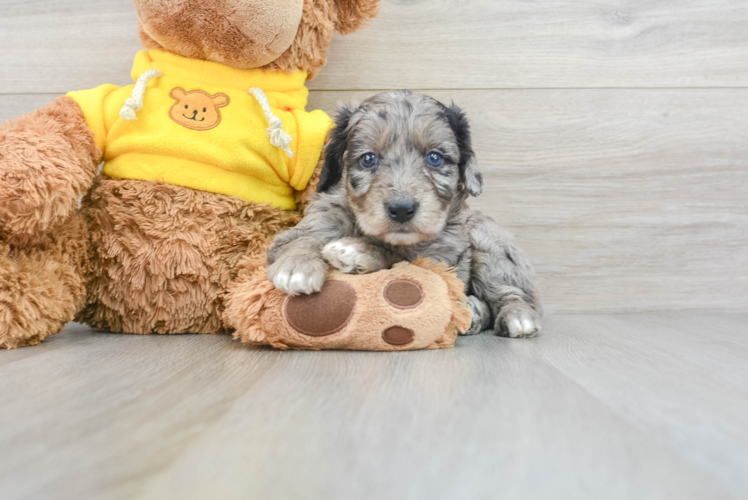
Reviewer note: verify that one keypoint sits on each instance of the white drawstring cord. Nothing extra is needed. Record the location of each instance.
(278, 137)
(135, 103)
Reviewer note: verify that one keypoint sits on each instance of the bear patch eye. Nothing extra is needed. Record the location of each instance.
(205, 109)
(186, 106)
(369, 160)
(435, 159)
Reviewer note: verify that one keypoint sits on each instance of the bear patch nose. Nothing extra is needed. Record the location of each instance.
(402, 210)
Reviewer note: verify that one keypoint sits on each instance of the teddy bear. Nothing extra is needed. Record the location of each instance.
(207, 156)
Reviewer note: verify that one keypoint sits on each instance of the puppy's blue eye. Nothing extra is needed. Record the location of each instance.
(435, 159)
(369, 160)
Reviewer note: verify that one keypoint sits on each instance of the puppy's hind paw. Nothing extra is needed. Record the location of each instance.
(481, 316)
(517, 321)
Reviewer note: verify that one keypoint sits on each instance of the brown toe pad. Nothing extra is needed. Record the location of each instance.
(323, 313)
(403, 294)
(397, 335)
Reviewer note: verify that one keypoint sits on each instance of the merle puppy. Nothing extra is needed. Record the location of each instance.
(398, 171)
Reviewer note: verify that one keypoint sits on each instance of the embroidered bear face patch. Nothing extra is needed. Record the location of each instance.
(197, 109)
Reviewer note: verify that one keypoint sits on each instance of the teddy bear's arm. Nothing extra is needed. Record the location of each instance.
(48, 159)
(304, 197)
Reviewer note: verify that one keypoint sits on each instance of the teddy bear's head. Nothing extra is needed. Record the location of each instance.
(285, 35)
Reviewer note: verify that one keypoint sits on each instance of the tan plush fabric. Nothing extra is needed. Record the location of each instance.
(259, 311)
(280, 36)
(48, 159)
(319, 21)
(239, 33)
(352, 14)
(163, 256)
(308, 52)
(42, 283)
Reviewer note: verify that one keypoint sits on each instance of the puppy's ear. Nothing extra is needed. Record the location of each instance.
(470, 174)
(332, 171)
(352, 14)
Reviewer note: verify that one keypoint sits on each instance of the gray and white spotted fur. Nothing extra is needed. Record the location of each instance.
(350, 223)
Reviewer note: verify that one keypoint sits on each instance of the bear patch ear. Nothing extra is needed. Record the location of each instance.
(332, 171)
(220, 100)
(352, 14)
(178, 93)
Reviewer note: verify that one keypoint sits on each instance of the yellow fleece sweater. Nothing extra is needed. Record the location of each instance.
(199, 128)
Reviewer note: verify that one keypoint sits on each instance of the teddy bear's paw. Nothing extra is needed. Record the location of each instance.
(352, 257)
(298, 277)
(406, 307)
(330, 311)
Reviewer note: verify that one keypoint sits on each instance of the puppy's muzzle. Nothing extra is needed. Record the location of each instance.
(402, 210)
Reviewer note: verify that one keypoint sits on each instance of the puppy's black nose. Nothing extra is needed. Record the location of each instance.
(402, 210)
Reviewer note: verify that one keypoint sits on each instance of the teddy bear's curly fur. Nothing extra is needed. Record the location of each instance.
(139, 256)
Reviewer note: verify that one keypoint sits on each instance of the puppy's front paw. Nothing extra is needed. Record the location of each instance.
(517, 320)
(351, 257)
(299, 277)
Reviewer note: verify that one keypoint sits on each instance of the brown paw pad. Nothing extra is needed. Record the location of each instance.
(397, 335)
(403, 294)
(322, 313)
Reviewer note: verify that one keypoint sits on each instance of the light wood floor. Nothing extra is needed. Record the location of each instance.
(599, 407)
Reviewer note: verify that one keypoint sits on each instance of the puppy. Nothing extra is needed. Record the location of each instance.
(398, 171)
